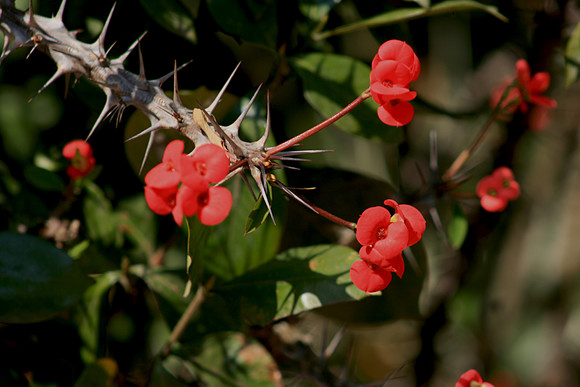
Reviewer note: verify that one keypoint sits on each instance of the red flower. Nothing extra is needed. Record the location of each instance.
(394, 66)
(80, 154)
(527, 89)
(180, 184)
(384, 237)
(472, 378)
(497, 189)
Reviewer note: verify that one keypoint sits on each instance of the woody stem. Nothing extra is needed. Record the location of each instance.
(466, 153)
(315, 129)
(192, 308)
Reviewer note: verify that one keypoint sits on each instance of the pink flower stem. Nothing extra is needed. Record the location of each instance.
(333, 218)
(465, 154)
(315, 129)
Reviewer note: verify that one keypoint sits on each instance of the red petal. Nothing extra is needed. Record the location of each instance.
(486, 184)
(173, 151)
(213, 161)
(398, 115)
(539, 82)
(369, 222)
(391, 71)
(511, 192)
(414, 221)
(389, 92)
(401, 52)
(219, 203)
(468, 377)
(523, 71)
(70, 149)
(160, 202)
(543, 101)
(367, 279)
(163, 176)
(493, 203)
(503, 173)
(394, 243)
(397, 265)
(187, 200)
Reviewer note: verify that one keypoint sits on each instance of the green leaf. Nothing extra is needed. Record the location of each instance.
(101, 221)
(422, 3)
(225, 359)
(259, 214)
(37, 280)
(457, 228)
(297, 280)
(95, 376)
(230, 252)
(405, 14)
(90, 322)
(573, 56)
(43, 179)
(251, 20)
(316, 10)
(172, 15)
(333, 81)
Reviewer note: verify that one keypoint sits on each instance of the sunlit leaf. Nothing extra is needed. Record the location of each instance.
(297, 280)
(405, 14)
(422, 3)
(37, 280)
(333, 81)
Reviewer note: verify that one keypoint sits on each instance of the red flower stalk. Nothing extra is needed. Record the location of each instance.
(383, 238)
(527, 89)
(394, 66)
(472, 378)
(180, 185)
(80, 154)
(497, 189)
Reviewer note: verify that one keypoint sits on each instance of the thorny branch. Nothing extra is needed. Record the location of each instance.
(124, 88)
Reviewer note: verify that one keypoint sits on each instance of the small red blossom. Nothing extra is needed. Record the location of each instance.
(527, 89)
(383, 238)
(497, 189)
(180, 185)
(472, 378)
(80, 155)
(394, 66)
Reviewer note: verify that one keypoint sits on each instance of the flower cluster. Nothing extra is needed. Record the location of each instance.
(393, 68)
(497, 189)
(524, 89)
(472, 378)
(180, 185)
(80, 155)
(383, 238)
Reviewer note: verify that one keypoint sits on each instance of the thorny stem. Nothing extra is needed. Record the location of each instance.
(315, 129)
(466, 153)
(192, 308)
(333, 218)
